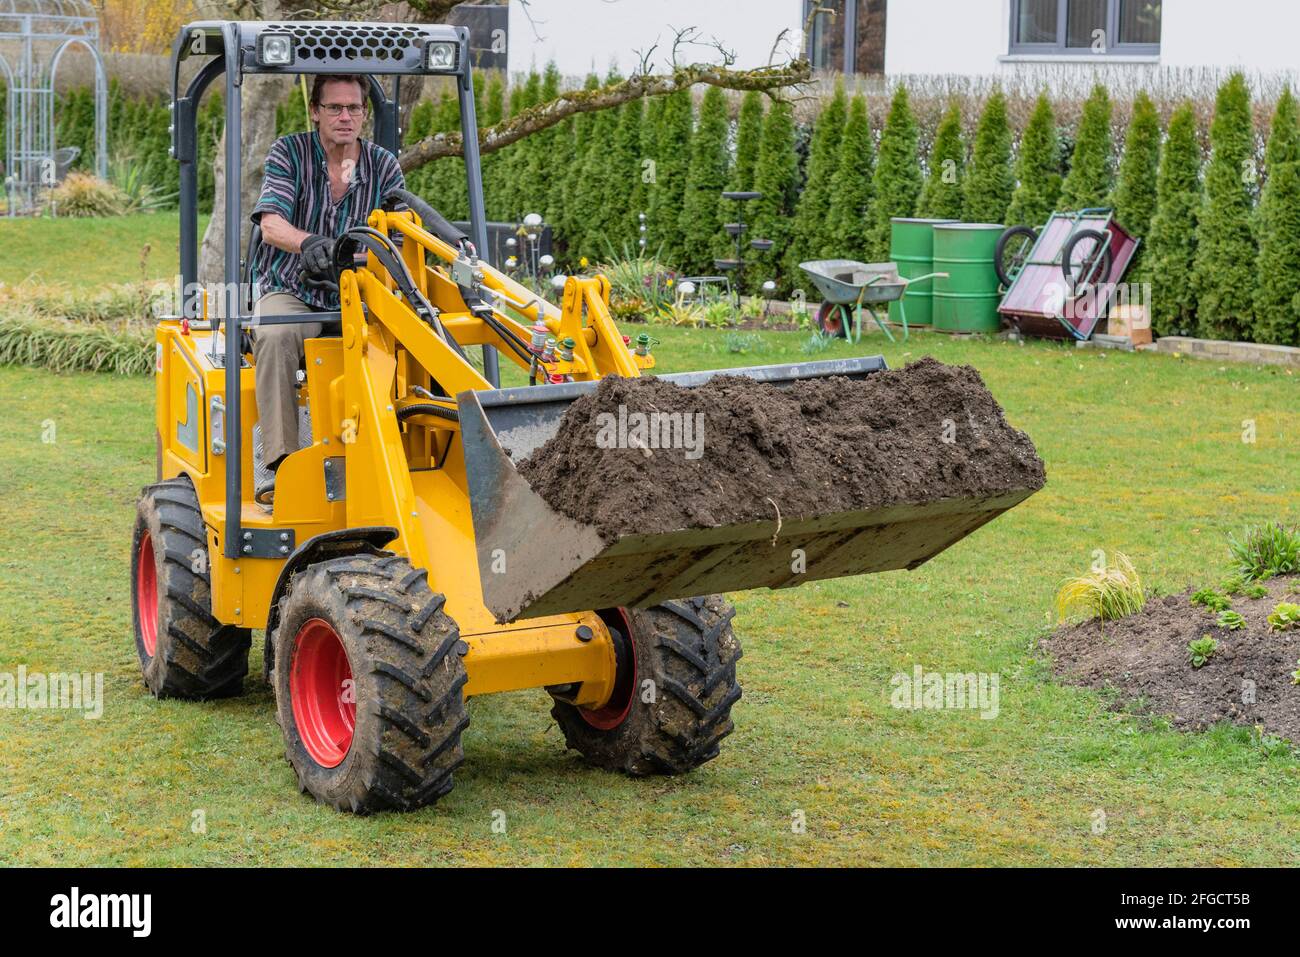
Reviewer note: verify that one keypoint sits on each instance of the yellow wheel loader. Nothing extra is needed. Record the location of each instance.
(405, 565)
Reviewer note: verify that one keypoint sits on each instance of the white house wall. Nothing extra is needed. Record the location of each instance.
(972, 37)
(585, 35)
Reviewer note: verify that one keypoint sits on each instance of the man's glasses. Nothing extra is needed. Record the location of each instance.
(335, 109)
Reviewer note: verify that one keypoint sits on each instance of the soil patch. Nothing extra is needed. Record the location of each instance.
(1144, 658)
(923, 432)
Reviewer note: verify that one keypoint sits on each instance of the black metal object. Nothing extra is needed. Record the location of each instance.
(265, 543)
(370, 49)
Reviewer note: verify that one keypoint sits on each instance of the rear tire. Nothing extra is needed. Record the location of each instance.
(184, 652)
(689, 653)
(369, 683)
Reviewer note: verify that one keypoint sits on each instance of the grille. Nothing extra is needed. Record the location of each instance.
(344, 44)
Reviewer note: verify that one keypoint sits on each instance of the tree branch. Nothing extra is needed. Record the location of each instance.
(546, 115)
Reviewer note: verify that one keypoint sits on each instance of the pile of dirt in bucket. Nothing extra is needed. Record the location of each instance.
(1144, 658)
(737, 450)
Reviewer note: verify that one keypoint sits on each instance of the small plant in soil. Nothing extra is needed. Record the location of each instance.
(1211, 599)
(1232, 586)
(1231, 620)
(1255, 591)
(1201, 650)
(1266, 550)
(1286, 615)
(1295, 675)
(1109, 595)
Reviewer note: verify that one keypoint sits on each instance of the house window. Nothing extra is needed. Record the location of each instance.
(847, 36)
(1081, 27)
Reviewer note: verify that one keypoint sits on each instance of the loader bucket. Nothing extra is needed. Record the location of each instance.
(535, 561)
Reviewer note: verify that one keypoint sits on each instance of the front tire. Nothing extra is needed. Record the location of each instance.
(369, 684)
(672, 707)
(184, 652)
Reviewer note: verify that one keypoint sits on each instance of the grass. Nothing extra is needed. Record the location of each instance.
(1112, 592)
(1162, 475)
(56, 250)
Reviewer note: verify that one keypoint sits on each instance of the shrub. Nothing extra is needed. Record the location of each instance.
(989, 183)
(897, 183)
(1171, 251)
(1038, 170)
(1226, 254)
(1088, 183)
(851, 188)
(1112, 593)
(82, 195)
(1266, 550)
(1277, 295)
(699, 223)
(811, 219)
(1135, 196)
(942, 197)
(65, 346)
(776, 177)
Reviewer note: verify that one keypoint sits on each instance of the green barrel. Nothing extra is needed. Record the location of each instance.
(912, 247)
(967, 301)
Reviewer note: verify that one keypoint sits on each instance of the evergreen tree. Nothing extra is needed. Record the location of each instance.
(811, 222)
(942, 197)
(625, 175)
(514, 158)
(1224, 273)
(1135, 196)
(670, 170)
(494, 108)
(591, 230)
(643, 186)
(989, 182)
(1277, 295)
(705, 180)
(749, 134)
(567, 223)
(1092, 168)
(897, 184)
(1038, 170)
(776, 177)
(1171, 248)
(541, 163)
(851, 189)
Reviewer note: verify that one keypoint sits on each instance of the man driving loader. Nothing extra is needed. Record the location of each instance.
(317, 185)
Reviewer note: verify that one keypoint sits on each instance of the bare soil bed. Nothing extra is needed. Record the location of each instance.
(924, 432)
(1144, 658)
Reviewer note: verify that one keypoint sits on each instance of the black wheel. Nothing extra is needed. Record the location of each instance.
(671, 706)
(832, 320)
(1013, 249)
(184, 652)
(1086, 260)
(369, 684)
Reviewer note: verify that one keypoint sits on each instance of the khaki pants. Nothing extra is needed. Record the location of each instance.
(277, 351)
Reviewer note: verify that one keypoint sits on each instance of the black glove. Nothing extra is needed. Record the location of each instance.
(318, 256)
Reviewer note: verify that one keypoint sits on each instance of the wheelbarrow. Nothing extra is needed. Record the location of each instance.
(848, 287)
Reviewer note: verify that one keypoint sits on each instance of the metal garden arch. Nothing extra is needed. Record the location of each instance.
(34, 35)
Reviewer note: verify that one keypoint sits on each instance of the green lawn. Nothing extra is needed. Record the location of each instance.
(59, 251)
(1144, 454)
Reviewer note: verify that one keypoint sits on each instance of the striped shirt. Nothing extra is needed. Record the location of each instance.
(297, 187)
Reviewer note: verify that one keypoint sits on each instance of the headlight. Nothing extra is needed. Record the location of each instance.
(440, 56)
(274, 49)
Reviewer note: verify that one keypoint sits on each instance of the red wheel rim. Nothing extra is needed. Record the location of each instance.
(615, 710)
(321, 693)
(146, 594)
(830, 319)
